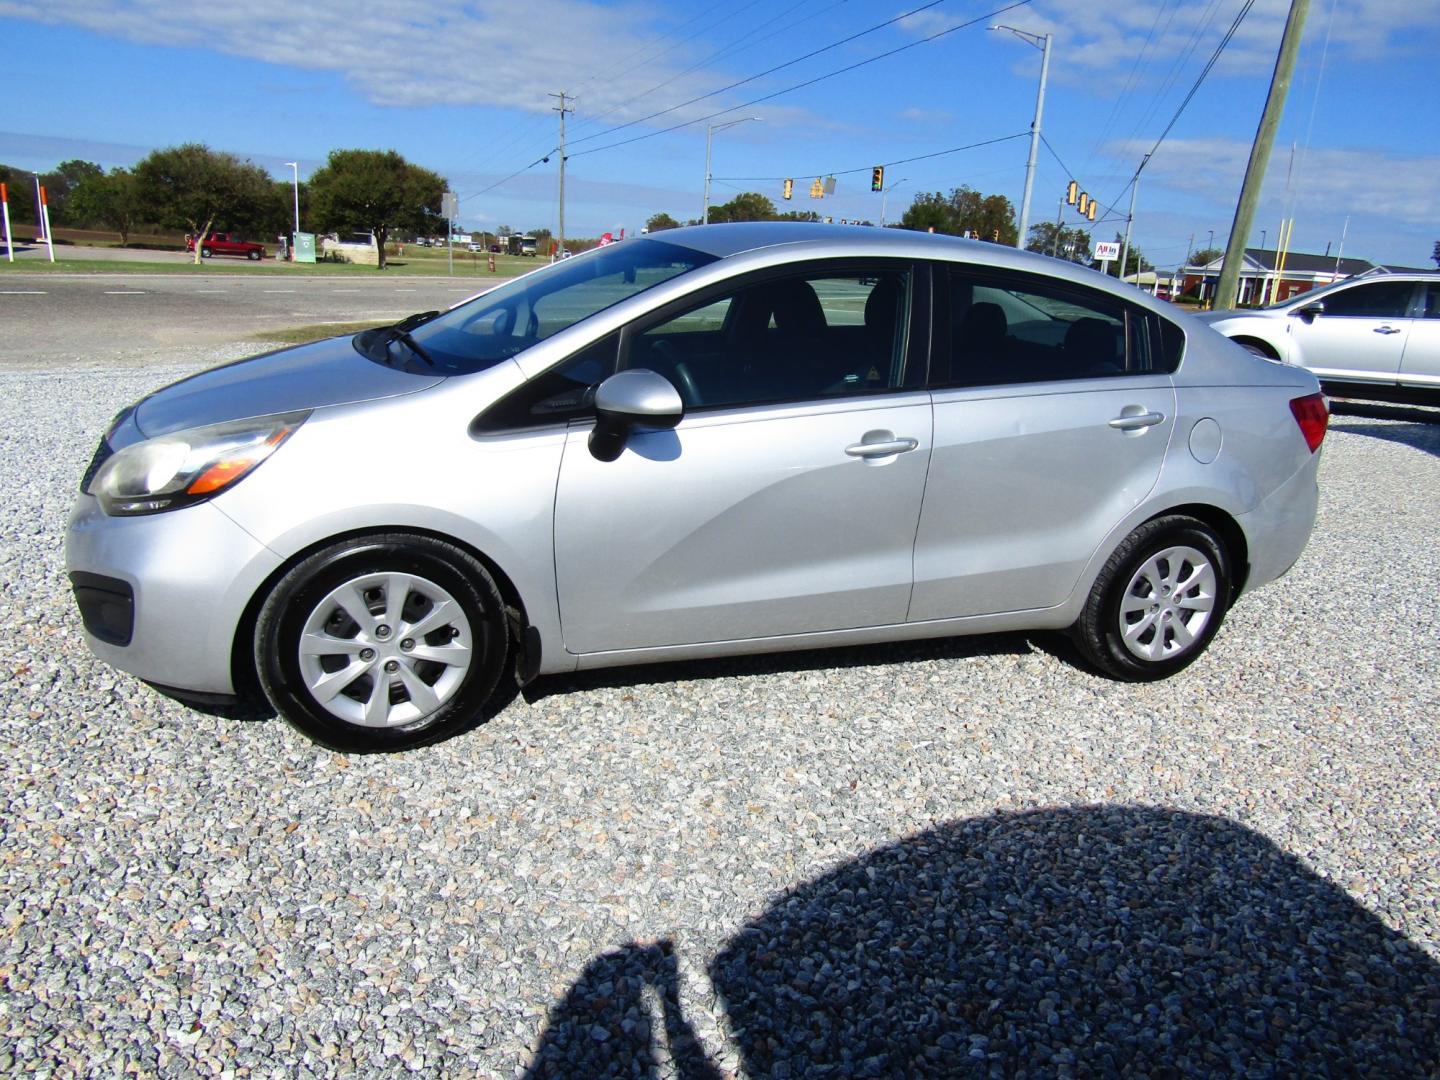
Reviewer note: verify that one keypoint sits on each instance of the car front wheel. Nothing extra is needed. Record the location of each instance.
(205, 253)
(1158, 602)
(253, 256)
(382, 643)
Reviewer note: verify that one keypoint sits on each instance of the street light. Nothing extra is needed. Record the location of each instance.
(710, 130)
(295, 166)
(886, 194)
(1041, 42)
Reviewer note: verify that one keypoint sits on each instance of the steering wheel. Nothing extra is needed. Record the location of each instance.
(668, 357)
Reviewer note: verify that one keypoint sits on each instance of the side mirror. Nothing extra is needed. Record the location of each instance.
(1309, 311)
(631, 399)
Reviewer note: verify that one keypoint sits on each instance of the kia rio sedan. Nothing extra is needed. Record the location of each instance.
(1375, 336)
(732, 439)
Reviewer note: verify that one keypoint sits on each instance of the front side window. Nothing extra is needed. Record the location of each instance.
(1377, 300)
(530, 309)
(793, 338)
(1003, 330)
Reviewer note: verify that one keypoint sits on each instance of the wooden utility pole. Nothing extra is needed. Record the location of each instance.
(1260, 156)
(562, 109)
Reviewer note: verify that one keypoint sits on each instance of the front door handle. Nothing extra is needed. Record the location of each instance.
(882, 447)
(1128, 421)
(1387, 330)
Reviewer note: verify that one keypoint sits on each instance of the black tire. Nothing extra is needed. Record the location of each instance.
(205, 253)
(432, 573)
(1129, 595)
(253, 256)
(1256, 350)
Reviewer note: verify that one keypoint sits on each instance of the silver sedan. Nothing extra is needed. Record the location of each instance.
(725, 439)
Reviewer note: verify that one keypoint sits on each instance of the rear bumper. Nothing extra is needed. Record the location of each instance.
(1278, 529)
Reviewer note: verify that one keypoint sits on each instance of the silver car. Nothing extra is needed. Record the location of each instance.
(1376, 336)
(737, 438)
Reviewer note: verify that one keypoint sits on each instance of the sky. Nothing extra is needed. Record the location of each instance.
(839, 86)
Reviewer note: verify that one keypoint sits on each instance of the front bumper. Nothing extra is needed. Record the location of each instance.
(189, 574)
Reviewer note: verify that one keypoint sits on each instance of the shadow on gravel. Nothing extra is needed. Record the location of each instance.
(1418, 427)
(854, 656)
(1092, 942)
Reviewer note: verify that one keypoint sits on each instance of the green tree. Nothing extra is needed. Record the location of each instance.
(660, 222)
(1435, 253)
(747, 206)
(193, 187)
(110, 200)
(61, 181)
(1063, 242)
(964, 211)
(377, 191)
(20, 193)
(798, 215)
(1204, 255)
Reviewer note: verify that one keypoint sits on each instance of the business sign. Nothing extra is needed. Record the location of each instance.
(1107, 250)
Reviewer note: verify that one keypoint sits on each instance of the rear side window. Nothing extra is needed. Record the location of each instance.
(1014, 329)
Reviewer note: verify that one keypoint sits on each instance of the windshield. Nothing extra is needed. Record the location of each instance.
(529, 309)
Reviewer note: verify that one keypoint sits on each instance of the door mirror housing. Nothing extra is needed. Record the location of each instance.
(1309, 311)
(628, 400)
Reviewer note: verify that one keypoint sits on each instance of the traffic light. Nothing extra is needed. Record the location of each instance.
(1072, 193)
(877, 178)
(789, 188)
(1091, 212)
(1084, 203)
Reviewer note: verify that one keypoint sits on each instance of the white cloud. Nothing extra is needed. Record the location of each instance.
(1092, 40)
(425, 52)
(1355, 179)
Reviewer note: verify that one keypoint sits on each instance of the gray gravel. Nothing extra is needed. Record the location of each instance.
(967, 857)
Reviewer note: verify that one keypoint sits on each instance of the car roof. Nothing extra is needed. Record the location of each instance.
(802, 239)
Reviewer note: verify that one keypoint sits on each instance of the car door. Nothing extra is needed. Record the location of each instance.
(1361, 334)
(786, 500)
(1051, 424)
(1420, 365)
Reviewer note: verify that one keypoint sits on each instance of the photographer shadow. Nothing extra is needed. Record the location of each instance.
(1092, 942)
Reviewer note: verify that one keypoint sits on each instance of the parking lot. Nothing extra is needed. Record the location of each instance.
(667, 870)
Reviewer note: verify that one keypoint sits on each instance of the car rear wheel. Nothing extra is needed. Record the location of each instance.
(205, 253)
(253, 256)
(1158, 602)
(382, 643)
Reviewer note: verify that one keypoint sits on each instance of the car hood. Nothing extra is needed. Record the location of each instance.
(327, 372)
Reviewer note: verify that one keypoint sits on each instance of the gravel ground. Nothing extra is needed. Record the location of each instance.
(952, 858)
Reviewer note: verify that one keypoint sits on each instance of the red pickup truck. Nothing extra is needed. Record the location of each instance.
(219, 243)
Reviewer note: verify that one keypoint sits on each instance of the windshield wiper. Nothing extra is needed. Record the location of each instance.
(401, 332)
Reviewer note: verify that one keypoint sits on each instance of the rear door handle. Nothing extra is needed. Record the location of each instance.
(1387, 330)
(1137, 421)
(882, 449)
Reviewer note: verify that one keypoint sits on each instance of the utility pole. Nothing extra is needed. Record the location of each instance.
(562, 109)
(1041, 42)
(1260, 155)
(1125, 247)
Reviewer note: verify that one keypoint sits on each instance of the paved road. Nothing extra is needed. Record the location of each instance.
(54, 319)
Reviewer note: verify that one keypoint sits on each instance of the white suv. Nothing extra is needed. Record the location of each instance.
(1376, 336)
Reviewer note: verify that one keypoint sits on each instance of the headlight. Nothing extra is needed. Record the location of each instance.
(189, 466)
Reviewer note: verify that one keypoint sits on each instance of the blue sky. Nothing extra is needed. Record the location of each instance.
(463, 89)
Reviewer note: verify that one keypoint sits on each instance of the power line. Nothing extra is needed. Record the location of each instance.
(797, 86)
(883, 164)
(791, 63)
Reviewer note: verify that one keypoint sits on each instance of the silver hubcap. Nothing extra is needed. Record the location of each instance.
(385, 650)
(1168, 603)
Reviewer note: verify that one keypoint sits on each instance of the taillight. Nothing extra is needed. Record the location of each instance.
(1313, 417)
